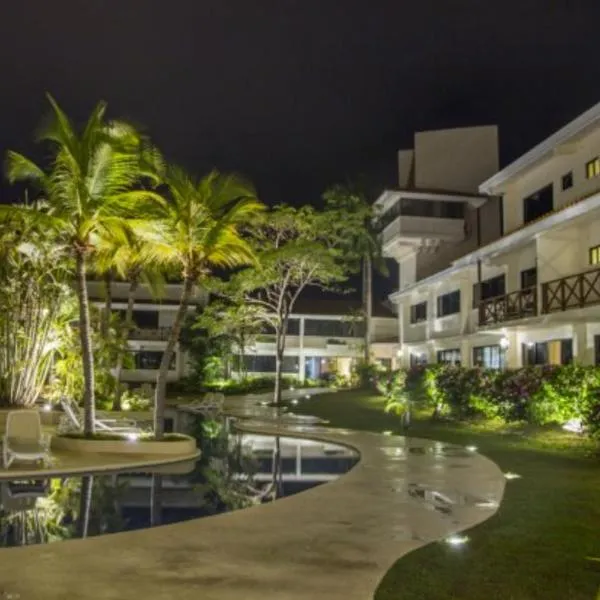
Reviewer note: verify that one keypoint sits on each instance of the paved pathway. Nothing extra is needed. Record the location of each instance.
(335, 541)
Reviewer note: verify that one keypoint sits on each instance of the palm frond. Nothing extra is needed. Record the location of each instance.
(19, 168)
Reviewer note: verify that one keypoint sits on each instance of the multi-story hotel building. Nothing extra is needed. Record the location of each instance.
(323, 335)
(527, 290)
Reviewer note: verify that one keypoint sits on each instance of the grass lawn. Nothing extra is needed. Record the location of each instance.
(535, 547)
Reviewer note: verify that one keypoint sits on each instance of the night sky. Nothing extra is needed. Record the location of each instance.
(300, 94)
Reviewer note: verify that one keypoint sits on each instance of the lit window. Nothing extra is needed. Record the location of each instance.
(592, 168)
(595, 255)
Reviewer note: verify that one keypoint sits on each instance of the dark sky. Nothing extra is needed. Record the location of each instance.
(298, 94)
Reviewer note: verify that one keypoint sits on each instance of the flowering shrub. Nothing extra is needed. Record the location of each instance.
(541, 394)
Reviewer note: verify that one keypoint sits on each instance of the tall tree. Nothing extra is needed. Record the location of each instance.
(297, 248)
(357, 231)
(197, 228)
(88, 188)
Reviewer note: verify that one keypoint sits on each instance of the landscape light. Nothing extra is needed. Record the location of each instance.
(132, 437)
(574, 426)
(457, 540)
(47, 407)
(510, 475)
(292, 389)
(387, 432)
(307, 397)
(294, 402)
(472, 448)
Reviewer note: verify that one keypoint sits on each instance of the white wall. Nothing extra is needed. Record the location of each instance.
(456, 159)
(572, 157)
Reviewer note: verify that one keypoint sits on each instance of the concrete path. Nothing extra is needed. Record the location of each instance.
(335, 541)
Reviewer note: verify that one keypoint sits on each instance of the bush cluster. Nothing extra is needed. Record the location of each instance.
(540, 395)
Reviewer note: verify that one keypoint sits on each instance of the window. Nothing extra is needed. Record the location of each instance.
(539, 204)
(449, 357)
(266, 364)
(150, 359)
(145, 319)
(528, 278)
(419, 207)
(386, 363)
(592, 168)
(595, 255)
(418, 360)
(418, 312)
(489, 357)
(333, 328)
(448, 304)
(566, 181)
(492, 288)
(554, 352)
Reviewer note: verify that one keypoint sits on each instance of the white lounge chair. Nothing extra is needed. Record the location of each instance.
(211, 403)
(73, 421)
(24, 439)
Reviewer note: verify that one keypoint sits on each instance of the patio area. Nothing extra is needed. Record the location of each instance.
(334, 541)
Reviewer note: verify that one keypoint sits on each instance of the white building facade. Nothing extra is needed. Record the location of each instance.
(531, 293)
(324, 339)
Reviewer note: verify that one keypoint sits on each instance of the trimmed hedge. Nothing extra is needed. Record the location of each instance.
(541, 395)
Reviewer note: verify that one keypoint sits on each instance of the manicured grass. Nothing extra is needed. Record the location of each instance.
(535, 547)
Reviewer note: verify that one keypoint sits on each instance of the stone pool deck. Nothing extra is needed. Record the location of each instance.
(335, 541)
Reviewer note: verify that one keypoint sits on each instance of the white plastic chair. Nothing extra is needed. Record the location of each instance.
(74, 421)
(24, 439)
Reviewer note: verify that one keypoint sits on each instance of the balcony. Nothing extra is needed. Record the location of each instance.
(150, 334)
(574, 291)
(510, 307)
(411, 222)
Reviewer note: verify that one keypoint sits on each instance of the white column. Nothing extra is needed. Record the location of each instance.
(583, 348)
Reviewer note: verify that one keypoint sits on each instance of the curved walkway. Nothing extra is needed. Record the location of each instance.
(334, 541)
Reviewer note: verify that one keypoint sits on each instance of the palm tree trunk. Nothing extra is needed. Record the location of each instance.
(89, 401)
(133, 286)
(367, 293)
(85, 505)
(156, 500)
(161, 380)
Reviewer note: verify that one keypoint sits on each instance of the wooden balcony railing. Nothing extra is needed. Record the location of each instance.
(149, 334)
(574, 291)
(516, 305)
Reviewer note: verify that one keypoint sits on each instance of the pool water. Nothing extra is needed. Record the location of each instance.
(234, 471)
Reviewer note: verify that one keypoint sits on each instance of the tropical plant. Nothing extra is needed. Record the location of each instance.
(236, 326)
(89, 187)
(297, 248)
(356, 220)
(196, 228)
(124, 255)
(34, 302)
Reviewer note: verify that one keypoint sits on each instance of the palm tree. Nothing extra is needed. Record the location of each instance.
(127, 259)
(87, 190)
(359, 232)
(197, 227)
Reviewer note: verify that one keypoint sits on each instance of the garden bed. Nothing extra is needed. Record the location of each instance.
(170, 445)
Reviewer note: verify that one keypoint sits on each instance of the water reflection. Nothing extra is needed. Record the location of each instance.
(234, 471)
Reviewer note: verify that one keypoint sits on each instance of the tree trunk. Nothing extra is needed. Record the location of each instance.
(85, 505)
(367, 293)
(133, 286)
(89, 401)
(156, 500)
(106, 313)
(161, 380)
(280, 349)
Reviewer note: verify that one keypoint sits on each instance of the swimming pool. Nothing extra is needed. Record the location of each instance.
(234, 471)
